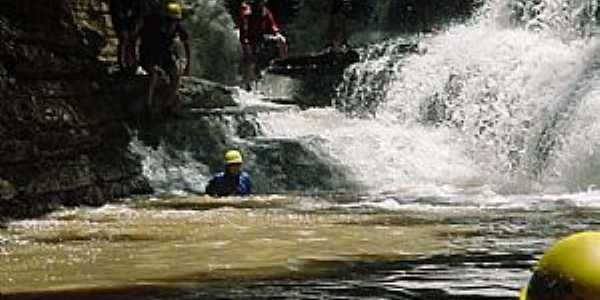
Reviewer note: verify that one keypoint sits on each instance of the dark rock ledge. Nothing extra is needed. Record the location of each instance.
(64, 120)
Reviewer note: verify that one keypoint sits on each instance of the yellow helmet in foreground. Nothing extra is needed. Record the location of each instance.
(569, 270)
(233, 157)
(174, 11)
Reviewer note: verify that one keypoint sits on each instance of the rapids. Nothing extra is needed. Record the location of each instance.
(506, 100)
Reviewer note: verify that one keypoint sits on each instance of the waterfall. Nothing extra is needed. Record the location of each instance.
(506, 100)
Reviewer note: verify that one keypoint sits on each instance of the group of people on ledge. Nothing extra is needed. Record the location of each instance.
(258, 25)
(147, 29)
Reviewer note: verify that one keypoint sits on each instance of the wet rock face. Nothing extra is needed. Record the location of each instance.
(199, 93)
(282, 166)
(61, 138)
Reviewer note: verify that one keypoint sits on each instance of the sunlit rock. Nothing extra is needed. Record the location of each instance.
(199, 93)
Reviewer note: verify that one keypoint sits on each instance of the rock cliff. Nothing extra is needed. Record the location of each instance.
(62, 136)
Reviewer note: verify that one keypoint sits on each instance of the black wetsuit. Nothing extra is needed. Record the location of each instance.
(339, 15)
(341, 6)
(121, 13)
(157, 38)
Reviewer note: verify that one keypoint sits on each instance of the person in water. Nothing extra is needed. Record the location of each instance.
(569, 270)
(257, 24)
(158, 30)
(233, 181)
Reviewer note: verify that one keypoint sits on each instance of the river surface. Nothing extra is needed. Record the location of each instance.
(469, 157)
(455, 244)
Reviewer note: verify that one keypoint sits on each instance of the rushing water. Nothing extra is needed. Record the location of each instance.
(489, 102)
(467, 244)
(467, 158)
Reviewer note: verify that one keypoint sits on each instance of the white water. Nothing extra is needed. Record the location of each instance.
(515, 108)
(384, 156)
(169, 175)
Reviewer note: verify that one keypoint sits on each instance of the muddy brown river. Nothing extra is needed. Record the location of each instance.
(287, 247)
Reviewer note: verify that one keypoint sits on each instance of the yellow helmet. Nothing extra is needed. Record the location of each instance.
(233, 157)
(568, 270)
(174, 10)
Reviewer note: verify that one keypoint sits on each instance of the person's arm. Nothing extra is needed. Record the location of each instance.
(249, 188)
(276, 31)
(139, 11)
(245, 185)
(136, 27)
(244, 21)
(272, 23)
(188, 58)
(184, 37)
(211, 188)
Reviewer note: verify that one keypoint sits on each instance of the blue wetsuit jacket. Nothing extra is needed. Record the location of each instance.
(222, 185)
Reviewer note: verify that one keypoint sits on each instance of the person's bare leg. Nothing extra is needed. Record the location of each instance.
(249, 66)
(120, 60)
(152, 86)
(123, 50)
(174, 99)
(282, 47)
(130, 53)
(250, 76)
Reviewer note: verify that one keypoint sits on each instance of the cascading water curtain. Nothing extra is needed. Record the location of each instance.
(488, 101)
(571, 19)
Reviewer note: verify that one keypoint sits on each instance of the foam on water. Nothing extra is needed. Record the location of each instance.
(504, 101)
(169, 175)
(385, 156)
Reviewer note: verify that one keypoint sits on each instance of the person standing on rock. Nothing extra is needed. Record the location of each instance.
(257, 24)
(233, 181)
(337, 29)
(122, 14)
(157, 56)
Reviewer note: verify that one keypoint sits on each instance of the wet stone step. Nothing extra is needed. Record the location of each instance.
(280, 100)
(236, 110)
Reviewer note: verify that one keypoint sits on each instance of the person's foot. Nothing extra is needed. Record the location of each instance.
(140, 71)
(248, 87)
